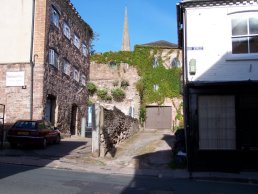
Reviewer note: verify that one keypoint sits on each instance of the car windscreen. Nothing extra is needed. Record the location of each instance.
(25, 125)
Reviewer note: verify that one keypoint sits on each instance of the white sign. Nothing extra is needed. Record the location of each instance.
(15, 78)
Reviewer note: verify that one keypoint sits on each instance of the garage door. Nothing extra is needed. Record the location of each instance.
(158, 117)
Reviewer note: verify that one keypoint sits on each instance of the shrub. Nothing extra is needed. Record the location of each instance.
(118, 94)
(124, 84)
(92, 88)
(102, 93)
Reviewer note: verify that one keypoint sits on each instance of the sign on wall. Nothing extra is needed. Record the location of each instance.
(15, 78)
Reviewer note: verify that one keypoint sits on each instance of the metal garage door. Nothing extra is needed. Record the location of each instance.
(158, 117)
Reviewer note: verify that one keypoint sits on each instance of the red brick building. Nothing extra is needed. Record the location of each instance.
(44, 62)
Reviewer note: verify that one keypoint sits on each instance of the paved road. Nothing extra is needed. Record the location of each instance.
(25, 180)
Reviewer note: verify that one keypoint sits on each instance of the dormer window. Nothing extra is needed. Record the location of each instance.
(76, 41)
(244, 33)
(66, 30)
(55, 17)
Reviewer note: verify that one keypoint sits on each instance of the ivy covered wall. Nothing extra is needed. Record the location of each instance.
(159, 77)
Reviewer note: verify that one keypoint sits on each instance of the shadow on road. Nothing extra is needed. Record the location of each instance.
(36, 157)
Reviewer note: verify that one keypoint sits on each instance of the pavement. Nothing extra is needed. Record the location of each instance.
(146, 153)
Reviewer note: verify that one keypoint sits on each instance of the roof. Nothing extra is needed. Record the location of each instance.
(214, 2)
(161, 43)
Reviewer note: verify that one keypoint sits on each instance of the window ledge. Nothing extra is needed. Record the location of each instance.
(242, 57)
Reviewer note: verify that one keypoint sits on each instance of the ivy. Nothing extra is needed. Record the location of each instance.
(118, 94)
(167, 80)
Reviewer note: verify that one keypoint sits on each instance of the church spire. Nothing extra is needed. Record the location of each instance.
(126, 40)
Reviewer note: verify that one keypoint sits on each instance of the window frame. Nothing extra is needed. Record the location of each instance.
(240, 56)
(53, 58)
(84, 49)
(83, 80)
(76, 74)
(76, 41)
(66, 67)
(55, 16)
(66, 30)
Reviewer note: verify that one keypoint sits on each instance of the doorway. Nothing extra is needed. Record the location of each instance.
(50, 109)
(73, 119)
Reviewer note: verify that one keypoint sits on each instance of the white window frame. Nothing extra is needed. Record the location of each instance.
(84, 49)
(76, 41)
(66, 67)
(66, 30)
(155, 87)
(240, 56)
(55, 17)
(83, 80)
(76, 75)
(155, 62)
(53, 58)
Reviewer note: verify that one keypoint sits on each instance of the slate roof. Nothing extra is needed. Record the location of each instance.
(161, 43)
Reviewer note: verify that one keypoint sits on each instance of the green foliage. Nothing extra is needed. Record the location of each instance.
(92, 88)
(142, 58)
(118, 94)
(113, 57)
(102, 94)
(142, 114)
(124, 84)
(108, 98)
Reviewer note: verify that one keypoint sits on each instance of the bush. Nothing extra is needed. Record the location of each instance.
(124, 84)
(118, 94)
(102, 94)
(92, 88)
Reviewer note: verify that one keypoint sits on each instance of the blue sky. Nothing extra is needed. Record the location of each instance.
(148, 21)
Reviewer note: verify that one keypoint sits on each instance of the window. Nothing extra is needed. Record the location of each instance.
(55, 17)
(66, 30)
(53, 58)
(66, 67)
(76, 41)
(76, 75)
(175, 62)
(217, 130)
(84, 49)
(244, 33)
(83, 80)
(155, 62)
(155, 87)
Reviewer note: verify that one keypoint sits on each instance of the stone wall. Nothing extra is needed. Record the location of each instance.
(104, 76)
(117, 127)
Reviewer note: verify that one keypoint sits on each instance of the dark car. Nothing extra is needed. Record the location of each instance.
(38, 132)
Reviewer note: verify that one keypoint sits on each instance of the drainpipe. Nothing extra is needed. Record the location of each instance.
(32, 60)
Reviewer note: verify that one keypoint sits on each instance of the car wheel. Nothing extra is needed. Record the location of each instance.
(44, 144)
(58, 139)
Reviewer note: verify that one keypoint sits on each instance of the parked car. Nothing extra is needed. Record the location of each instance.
(38, 132)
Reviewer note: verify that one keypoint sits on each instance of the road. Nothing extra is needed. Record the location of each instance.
(33, 180)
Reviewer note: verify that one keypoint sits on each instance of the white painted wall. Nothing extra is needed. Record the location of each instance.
(15, 33)
(208, 30)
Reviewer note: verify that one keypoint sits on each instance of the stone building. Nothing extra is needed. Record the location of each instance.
(44, 62)
(164, 115)
(158, 116)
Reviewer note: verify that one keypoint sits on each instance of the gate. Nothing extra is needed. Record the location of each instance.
(2, 112)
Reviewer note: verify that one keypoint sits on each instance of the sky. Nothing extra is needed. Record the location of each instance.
(148, 21)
